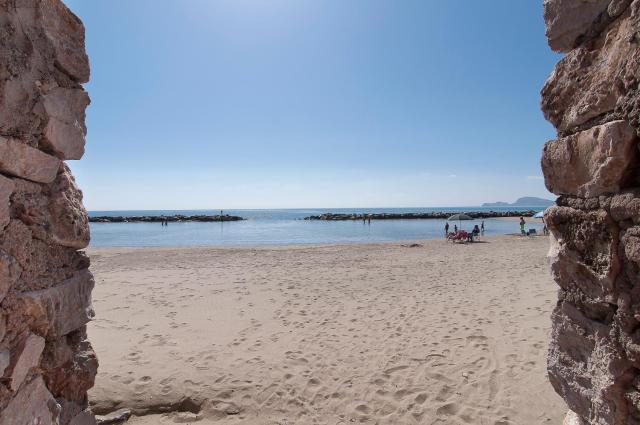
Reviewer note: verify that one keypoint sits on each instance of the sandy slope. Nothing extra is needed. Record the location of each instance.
(379, 334)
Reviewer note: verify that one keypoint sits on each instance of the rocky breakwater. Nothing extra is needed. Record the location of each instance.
(46, 362)
(161, 218)
(593, 99)
(415, 216)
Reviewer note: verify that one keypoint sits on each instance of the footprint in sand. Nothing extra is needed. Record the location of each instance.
(448, 409)
(363, 409)
(394, 369)
(420, 398)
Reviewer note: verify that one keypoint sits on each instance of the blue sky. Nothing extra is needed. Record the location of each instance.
(312, 103)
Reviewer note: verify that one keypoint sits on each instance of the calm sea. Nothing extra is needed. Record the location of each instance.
(283, 227)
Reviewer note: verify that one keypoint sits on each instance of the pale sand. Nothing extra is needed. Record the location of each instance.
(377, 334)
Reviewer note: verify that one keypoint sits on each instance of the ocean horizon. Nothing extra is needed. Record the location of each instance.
(287, 226)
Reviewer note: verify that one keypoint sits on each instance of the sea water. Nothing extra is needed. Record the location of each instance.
(286, 227)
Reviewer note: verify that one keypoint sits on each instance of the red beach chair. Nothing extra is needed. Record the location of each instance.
(459, 236)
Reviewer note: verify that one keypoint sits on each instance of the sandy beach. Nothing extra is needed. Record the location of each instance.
(375, 333)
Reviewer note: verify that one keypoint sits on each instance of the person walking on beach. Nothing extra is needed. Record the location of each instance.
(369, 219)
(455, 228)
(446, 230)
(522, 225)
(482, 228)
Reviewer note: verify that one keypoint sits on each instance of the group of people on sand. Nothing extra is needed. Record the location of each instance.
(524, 232)
(477, 230)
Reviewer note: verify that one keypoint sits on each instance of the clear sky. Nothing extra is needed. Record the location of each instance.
(312, 103)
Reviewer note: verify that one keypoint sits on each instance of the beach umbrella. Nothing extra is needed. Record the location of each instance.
(459, 217)
(539, 215)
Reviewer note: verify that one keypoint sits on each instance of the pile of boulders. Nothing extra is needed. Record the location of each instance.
(418, 215)
(163, 218)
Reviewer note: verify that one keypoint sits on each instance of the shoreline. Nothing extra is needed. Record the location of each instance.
(267, 246)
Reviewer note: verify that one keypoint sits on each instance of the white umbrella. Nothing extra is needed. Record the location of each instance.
(539, 215)
(459, 218)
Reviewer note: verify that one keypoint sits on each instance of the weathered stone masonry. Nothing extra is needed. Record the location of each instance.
(46, 362)
(593, 100)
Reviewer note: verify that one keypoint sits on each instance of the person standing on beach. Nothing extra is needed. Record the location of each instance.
(369, 219)
(522, 225)
(455, 228)
(482, 228)
(446, 230)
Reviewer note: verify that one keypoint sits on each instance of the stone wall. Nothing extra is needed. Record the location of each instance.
(592, 99)
(46, 362)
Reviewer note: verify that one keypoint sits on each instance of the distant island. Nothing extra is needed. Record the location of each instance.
(527, 201)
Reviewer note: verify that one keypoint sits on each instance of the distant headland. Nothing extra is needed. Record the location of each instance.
(527, 201)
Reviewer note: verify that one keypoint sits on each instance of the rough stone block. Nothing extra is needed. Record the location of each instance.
(67, 216)
(631, 245)
(630, 253)
(626, 206)
(21, 160)
(9, 273)
(587, 368)
(567, 20)
(70, 409)
(84, 418)
(5, 359)
(591, 163)
(591, 80)
(25, 357)
(63, 308)
(42, 262)
(53, 212)
(66, 34)
(585, 255)
(6, 189)
(65, 132)
(32, 405)
(69, 366)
